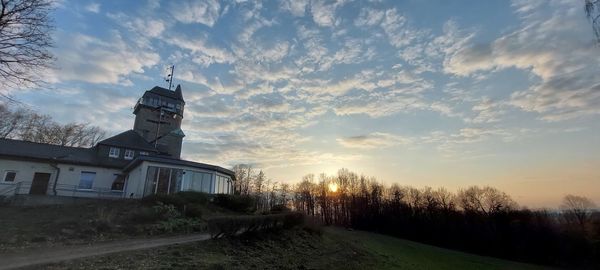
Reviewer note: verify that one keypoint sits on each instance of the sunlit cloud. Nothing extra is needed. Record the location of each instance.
(373, 140)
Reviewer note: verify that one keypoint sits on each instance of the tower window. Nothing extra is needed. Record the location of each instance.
(129, 154)
(114, 152)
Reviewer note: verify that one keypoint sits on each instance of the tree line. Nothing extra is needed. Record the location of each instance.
(20, 123)
(481, 220)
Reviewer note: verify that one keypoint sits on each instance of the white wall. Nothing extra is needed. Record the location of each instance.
(135, 183)
(25, 171)
(68, 179)
(70, 175)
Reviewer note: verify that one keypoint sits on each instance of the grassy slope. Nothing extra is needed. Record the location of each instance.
(394, 253)
(297, 249)
(57, 225)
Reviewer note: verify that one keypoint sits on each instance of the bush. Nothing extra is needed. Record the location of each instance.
(160, 211)
(293, 219)
(311, 225)
(145, 215)
(237, 203)
(178, 199)
(232, 225)
(192, 197)
(155, 199)
(278, 208)
(179, 225)
(193, 211)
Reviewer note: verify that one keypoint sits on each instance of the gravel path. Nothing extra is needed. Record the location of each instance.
(54, 255)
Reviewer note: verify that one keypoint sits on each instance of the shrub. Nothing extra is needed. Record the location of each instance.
(145, 215)
(193, 197)
(231, 225)
(237, 203)
(160, 211)
(311, 225)
(166, 211)
(154, 199)
(179, 225)
(278, 208)
(193, 211)
(293, 219)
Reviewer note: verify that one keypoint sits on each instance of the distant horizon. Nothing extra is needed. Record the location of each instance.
(440, 94)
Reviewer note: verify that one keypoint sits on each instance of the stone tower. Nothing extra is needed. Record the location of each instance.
(158, 115)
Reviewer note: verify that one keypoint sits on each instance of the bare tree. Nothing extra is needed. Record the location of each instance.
(445, 199)
(577, 209)
(27, 125)
(592, 10)
(25, 27)
(486, 200)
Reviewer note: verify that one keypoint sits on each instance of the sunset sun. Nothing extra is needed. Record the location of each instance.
(333, 187)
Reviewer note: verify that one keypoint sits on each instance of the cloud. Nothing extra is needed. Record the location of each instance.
(93, 7)
(369, 17)
(295, 7)
(324, 14)
(395, 27)
(202, 53)
(94, 60)
(553, 46)
(373, 140)
(205, 12)
(142, 26)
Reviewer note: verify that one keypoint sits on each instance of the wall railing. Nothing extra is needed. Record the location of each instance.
(10, 189)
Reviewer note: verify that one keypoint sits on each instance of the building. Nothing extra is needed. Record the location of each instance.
(133, 164)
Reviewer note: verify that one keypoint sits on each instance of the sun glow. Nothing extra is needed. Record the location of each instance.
(333, 187)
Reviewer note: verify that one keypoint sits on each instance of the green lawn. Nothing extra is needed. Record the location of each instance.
(296, 249)
(394, 253)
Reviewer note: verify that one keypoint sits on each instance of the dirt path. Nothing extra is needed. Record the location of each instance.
(45, 256)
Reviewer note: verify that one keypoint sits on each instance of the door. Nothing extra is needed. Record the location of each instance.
(39, 186)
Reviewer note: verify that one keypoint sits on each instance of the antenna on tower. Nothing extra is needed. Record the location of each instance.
(170, 76)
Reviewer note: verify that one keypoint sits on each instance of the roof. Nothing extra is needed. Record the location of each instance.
(177, 95)
(51, 153)
(180, 162)
(129, 139)
(23, 150)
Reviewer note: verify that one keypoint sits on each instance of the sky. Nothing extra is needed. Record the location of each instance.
(421, 93)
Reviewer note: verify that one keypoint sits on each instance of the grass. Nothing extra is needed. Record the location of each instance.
(395, 253)
(297, 249)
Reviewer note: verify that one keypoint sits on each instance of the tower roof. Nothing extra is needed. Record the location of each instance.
(177, 95)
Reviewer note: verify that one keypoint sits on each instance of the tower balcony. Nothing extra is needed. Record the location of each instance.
(156, 104)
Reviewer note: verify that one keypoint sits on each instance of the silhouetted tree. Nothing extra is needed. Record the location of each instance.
(578, 210)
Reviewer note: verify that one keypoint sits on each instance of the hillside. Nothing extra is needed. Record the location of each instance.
(297, 249)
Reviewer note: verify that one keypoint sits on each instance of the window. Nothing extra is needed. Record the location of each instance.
(9, 176)
(119, 183)
(87, 180)
(114, 152)
(129, 154)
(143, 153)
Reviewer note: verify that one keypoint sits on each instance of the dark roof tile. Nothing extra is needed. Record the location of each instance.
(129, 139)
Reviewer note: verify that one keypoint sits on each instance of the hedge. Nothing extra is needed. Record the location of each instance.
(229, 226)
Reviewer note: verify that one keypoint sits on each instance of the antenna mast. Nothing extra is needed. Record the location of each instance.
(170, 76)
